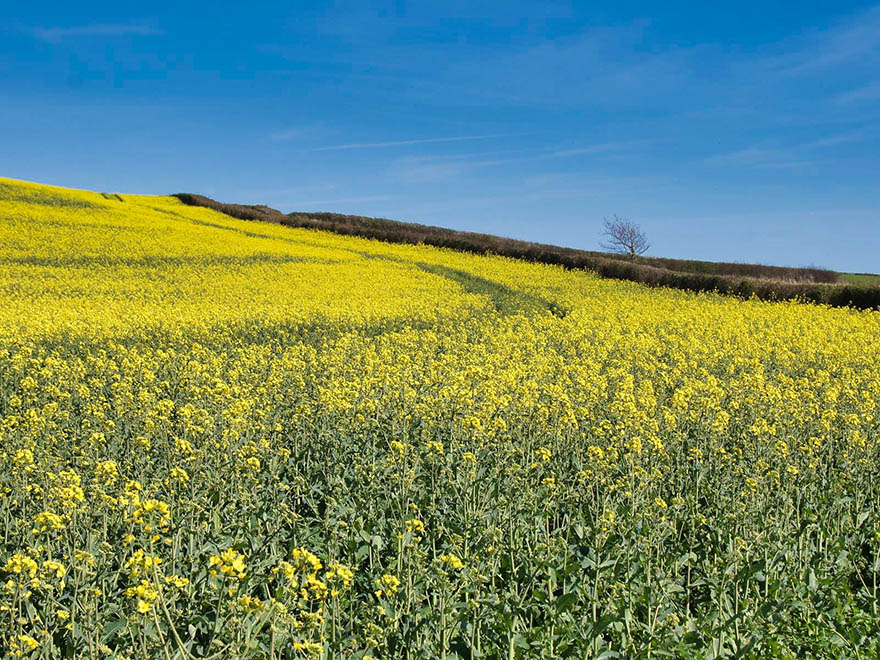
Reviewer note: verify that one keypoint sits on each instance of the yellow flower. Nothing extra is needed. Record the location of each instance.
(179, 474)
(21, 564)
(28, 643)
(24, 459)
(607, 520)
(452, 561)
(141, 564)
(286, 569)
(305, 562)
(144, 594)
(106, 473)
(251, 604)
(150, 513)
(309, 648)
(339, 573)
(416, 527)
(48, 522)
(435, 448)
(184, 446)
(387, 585)
(177, 581)
(54, 568)
(313, 588)
(229, 563)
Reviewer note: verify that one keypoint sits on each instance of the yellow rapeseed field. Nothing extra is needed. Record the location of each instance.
(228, 439)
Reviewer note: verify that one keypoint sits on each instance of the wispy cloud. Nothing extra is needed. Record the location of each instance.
(56, 34)
(870, 92)
(759, 158)
(437, 168)
(834, 140)
(403, 143)
(346, 200)
(582, 180)
(596, 67)
(852, 41)
(443, 167)
(416, 171)
(595, 149)
(850, 44)
(786, 157)
(285, 192)
(297, 133)
(474, 155)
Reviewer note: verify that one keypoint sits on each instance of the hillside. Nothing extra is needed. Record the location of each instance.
(133, 260)
(741, 279)
(225, 438)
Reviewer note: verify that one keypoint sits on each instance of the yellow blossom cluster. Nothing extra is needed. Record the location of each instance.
(229, 563)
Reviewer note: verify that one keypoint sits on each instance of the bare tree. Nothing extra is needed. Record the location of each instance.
(624, 237)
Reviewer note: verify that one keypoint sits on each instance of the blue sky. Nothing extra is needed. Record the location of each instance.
(731, 131)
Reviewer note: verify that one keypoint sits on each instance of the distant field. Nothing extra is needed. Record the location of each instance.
(861, 278)
(228, 439)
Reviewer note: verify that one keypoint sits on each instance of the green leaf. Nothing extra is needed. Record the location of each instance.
(113, 627)
(565, 601)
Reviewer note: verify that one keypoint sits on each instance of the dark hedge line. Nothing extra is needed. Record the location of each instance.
(240, 211)
(743, 280)
(810, 274)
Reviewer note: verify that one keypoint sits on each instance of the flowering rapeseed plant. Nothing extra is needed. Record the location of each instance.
(220, 438)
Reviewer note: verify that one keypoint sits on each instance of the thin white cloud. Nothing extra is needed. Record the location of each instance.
(417, 171)
(289, 134)
(471, 156)
(434, 169)
(759, 158)
(584, 179)
(869, 92)
(403, 143)
(298, 132)
(788, 157)
(834, 140)
(747, 156)
(595, 149)
(848, 43)
(346, 200)
(788, 164)
(437, 168)
(297, 191)
(600, 66)
(55, 34)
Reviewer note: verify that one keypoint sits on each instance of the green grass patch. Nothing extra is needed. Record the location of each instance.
(861, 278)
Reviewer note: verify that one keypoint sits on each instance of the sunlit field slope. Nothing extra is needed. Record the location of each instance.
(240, 440)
